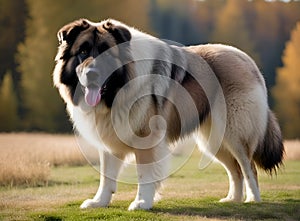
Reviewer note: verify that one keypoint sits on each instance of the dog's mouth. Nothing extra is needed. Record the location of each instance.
(93, 81)
(92, 95)
(89, 80)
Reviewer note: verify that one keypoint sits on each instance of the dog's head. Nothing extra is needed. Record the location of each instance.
(76, 74)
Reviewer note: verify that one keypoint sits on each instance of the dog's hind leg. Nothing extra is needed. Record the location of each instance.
(244, 159)
(254, 172)
(235, 193)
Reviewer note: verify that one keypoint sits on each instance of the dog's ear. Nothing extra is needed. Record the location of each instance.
(70, 31)
(120, 33)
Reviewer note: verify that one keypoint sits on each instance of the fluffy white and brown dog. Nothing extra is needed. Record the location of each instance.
(130, 93)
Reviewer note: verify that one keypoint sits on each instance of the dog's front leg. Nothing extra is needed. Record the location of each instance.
(110, 166)
(152, 168)
(146, 189)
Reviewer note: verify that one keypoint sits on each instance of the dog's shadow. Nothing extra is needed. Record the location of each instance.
(287, 210)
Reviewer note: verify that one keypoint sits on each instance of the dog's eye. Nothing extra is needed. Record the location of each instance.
(83, 52)
(82, 55)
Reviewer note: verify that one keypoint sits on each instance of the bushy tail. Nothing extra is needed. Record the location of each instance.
(269, 152)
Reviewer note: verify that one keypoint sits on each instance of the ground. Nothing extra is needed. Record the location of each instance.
(188, 194)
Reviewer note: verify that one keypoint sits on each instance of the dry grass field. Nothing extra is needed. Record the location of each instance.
(26, 159)
(292, 148)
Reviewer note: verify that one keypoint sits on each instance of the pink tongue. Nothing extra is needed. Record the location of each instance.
(92, 96)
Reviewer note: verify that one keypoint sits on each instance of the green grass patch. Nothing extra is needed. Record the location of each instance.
(179, 209)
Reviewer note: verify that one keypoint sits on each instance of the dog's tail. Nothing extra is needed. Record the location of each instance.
(269, 152)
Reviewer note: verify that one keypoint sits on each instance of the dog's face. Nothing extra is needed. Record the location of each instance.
(80, 43)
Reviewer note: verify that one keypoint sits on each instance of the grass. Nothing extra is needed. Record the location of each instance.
(189, 194)
(292, 149)
(26, 159)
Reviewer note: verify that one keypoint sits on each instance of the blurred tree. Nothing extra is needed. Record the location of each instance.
(12, 28)
(272, 26)
(44, 109)
(206, 13)
(287, 89)
(231, 28)
(8, 107)
(174, 20)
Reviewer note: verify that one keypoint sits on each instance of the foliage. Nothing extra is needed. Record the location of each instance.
(287, 90)
(175, 22)
(272, 24)
(234, 33)
(260, 28)
(8, 108)
(12, 27)
(43, 107)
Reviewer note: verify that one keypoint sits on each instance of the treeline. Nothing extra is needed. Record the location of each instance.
(28, 45)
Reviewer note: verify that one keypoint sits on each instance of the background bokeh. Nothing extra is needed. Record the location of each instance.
(267, 30)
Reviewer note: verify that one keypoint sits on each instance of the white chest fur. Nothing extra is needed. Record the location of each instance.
(85, 123)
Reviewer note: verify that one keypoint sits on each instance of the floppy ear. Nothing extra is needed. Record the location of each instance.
(70, 31)
(120, 33)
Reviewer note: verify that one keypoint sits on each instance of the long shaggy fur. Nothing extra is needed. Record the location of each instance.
(100, 74)
(269, 152)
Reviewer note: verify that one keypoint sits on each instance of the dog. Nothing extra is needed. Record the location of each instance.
(128, 92)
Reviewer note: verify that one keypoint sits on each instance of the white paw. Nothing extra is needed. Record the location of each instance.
(90, 203)
(252, 199)
(230, 199)
(139, 204)
(226, 200)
